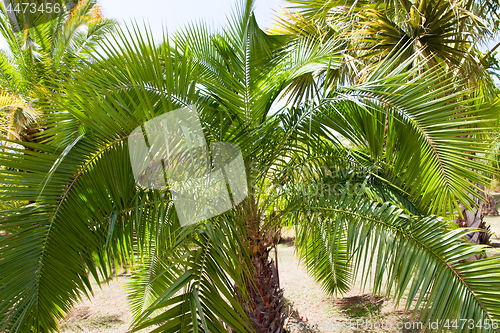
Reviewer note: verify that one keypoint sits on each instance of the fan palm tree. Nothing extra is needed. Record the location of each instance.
(88, 217)
(439, 33)
(444, 33)
(38, 54)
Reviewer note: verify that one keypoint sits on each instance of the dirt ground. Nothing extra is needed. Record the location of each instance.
(310, 308)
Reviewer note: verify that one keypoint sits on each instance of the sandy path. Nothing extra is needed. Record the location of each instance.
(107, 311)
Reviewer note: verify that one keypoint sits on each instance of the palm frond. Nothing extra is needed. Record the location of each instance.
(400, 253)
(419, 127)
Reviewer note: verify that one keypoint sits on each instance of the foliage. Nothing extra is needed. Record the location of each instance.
(39, 54)
(411, 133)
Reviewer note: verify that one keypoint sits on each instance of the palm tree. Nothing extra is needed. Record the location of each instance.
(88, 217)
(438, 33)
(38, 54)
(445, 33)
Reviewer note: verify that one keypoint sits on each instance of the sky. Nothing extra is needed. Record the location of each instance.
(174, 14)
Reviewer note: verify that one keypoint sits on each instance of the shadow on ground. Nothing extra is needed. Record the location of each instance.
(296, 323)
(361, 305)
(83, 320)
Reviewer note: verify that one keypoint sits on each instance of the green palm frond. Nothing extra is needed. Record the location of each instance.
(448, 31)
(197, 288)
(421, 128)
(84, 213)
(401, 253)
(239, 68)
(41, 53)
(82, 195)
(325, 253)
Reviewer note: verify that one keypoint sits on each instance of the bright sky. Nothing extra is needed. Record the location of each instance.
(174, 14)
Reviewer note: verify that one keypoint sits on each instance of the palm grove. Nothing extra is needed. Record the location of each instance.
(390, 125)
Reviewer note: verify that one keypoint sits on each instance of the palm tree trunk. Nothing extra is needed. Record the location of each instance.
(473, 219)
(490, 206)
(267, 311)
(264, 305)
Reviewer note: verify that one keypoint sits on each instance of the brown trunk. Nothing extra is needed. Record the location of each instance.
(267, 313)
(490, 206)
(265, 307)
(263, 302)
(474, 221)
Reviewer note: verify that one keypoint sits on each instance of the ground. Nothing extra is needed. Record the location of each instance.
(309, 306)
